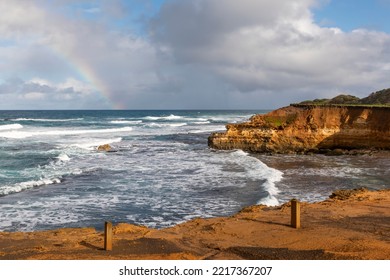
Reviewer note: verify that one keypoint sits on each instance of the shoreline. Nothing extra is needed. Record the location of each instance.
(353, 225)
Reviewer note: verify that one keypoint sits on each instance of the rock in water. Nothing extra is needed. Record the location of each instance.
(105, 148)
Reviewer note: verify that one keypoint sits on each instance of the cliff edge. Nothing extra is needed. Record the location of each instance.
(303, 128)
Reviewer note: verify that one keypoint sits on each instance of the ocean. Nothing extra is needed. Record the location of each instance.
(161, 173)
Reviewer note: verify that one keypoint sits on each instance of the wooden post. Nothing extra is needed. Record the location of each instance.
(295, 214)
(108, 236)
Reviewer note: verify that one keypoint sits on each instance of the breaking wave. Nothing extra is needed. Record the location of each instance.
(257, 170)
(26, 134)
(10, 126)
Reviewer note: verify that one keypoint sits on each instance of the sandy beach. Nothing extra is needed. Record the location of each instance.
(353, 225)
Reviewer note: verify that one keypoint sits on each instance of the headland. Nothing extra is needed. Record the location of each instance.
(336, 126)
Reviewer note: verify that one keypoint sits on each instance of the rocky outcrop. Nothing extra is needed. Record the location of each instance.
(309, 128)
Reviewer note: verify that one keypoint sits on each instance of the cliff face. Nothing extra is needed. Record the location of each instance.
(299, 129)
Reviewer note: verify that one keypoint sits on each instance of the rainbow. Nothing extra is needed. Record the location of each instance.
(88, 74)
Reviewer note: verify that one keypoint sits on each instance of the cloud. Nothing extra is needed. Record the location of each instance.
(271, 46)
(11, 85)
(205, 22)
(42, 94)
(18, 86)
(16, 22)
(56, 46)
(196, 54)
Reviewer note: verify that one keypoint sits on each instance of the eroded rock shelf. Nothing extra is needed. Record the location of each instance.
(302, 129)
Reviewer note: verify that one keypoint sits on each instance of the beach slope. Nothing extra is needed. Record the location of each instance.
(350, 225)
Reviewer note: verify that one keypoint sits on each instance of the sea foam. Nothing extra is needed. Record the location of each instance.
(125, 122)
(161, 125)
(47, 120)
(256, 169)
(11, 126)
(63, 157)
(19, 187)
(170, 117)
(26, 134)
(91, 144)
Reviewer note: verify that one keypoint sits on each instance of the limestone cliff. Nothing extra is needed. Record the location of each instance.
(309, 128)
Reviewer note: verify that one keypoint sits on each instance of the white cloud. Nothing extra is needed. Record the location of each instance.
(200, 54)
(73, 85)
(261, 46)
(74, 53)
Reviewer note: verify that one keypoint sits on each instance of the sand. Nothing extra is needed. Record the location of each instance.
(353, 225)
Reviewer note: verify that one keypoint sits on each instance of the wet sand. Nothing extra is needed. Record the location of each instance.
(353, 225)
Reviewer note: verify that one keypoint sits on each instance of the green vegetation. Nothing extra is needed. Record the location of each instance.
(376, 99)
(387, 106)
(279, 121)
(380, 97)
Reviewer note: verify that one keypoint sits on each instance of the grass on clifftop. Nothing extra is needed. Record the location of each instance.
(278, 121)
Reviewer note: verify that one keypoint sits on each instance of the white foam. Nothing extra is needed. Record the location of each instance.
(63, 157)
(195, 119)
(11, 126)
(175, 182)
(256, 169)
(55, 212)
(19, 187)
(91, 144)
(170, 117)
(177, 124)
(125, 122)
(31, 133)
(153, 125)
(270, 200)
(47, 120)
(160, 125)
(209, 129)
(15, 134)
(201, 120)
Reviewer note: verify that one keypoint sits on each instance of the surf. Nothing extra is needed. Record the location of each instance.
(257, 170)
(36, 133)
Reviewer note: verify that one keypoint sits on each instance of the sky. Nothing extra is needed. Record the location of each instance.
(189, 54)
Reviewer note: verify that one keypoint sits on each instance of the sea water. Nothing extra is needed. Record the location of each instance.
(160, 173)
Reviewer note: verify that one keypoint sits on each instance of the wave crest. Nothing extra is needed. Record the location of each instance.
(27, 134)
(19, 187)
(11, 126)
(170, 117)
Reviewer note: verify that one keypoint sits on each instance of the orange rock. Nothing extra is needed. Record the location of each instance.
(309, 128)
(104, 148)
